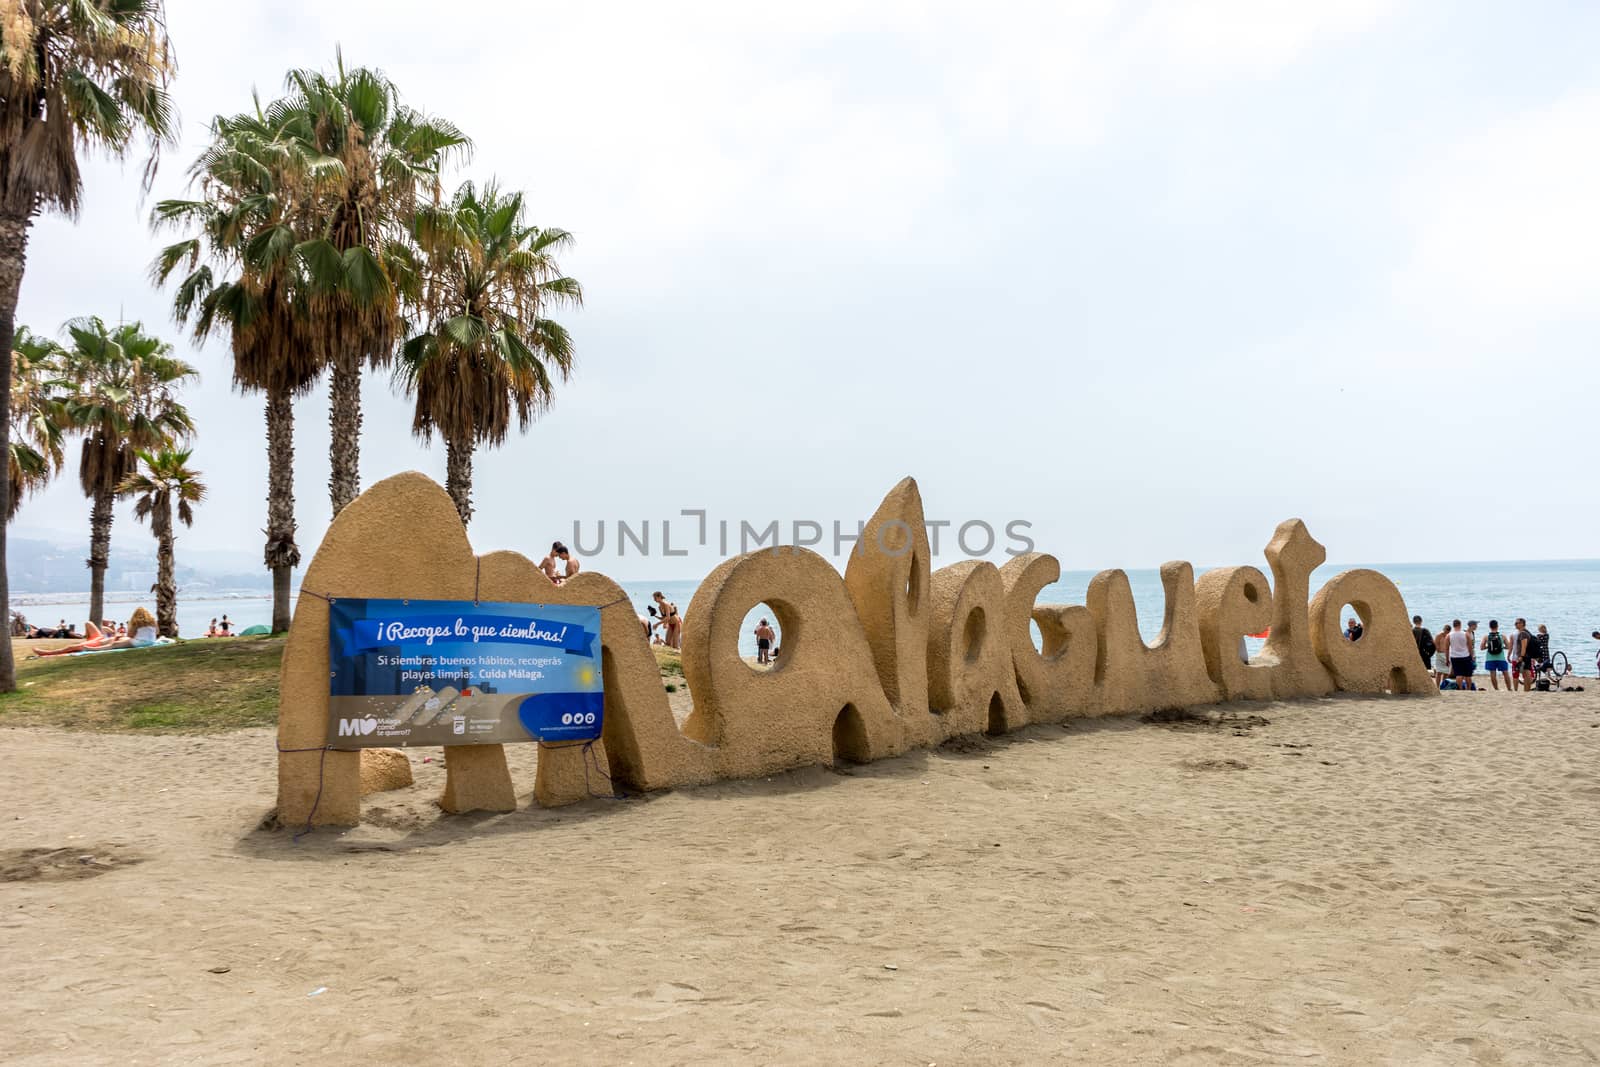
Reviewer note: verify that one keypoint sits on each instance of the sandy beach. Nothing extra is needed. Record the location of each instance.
(1334, 881)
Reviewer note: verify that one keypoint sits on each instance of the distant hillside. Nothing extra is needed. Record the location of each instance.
(59, 566)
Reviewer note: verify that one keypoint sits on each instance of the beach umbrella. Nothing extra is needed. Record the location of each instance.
(255, 631)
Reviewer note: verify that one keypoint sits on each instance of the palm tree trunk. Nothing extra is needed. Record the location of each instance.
(100, 519)
(458, 477)
(282, 554)
(344, 424)
(166, 580)
(13, 258)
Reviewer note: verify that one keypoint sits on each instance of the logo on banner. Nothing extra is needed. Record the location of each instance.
(357, 727)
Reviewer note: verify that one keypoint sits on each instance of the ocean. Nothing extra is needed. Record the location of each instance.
(1564, 595)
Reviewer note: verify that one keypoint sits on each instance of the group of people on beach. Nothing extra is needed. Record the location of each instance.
(63, 630)
(1514, 657)
(138, 632)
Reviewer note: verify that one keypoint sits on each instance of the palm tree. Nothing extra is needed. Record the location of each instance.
(123, 400)
(165, 479)
(244, 226)
(73, 74)
(370, 157)
(38, 447)
(480, 350)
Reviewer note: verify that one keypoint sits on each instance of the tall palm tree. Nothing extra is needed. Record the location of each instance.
(123, 400)
(247, 276)
(164, 480)
(73, 74)
(38, 414)
(371, 158)
(480, 350)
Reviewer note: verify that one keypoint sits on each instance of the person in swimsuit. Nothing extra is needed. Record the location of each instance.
(674, 629)
(569, 559)
(671, 621)
(765, 635)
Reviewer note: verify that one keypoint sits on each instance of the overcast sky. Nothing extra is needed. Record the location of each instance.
(1150, 276)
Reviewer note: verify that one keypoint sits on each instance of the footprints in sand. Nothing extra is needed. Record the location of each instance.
(63, 864)
(1206, 719)
(1214, 765)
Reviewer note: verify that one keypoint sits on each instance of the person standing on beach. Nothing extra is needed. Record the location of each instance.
(671, 621)
(1460, 648)
(1424, 640)
(1441, 656)
(1472, 645)
(1494, 656)
(1522, 649)
(764, 638)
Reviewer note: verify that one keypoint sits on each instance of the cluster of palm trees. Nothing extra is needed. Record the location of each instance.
(319, 237)
(117, 389)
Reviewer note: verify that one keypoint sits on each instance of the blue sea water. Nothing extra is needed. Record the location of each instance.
(1563, 594)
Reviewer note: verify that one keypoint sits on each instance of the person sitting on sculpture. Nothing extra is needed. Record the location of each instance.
(142, 626)
(551, 567)
(560, 565)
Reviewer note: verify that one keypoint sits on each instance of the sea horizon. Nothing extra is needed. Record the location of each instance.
(1564, 595)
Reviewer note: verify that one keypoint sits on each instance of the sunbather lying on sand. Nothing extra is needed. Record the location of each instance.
(142, 627)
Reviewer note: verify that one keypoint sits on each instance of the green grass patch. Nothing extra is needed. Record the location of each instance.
(669, 660)
(190, 687)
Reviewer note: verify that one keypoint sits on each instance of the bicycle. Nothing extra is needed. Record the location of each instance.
(1548, 675)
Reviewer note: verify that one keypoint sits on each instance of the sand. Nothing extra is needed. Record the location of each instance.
(1349, 881)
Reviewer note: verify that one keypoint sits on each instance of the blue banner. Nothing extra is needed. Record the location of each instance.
(440, 672)
(427, 629)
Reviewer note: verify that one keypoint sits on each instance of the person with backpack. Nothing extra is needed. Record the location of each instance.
(1424, 640)
(1494, 656)
(1524, 650)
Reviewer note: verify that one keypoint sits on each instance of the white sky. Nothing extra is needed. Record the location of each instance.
(1151, 276)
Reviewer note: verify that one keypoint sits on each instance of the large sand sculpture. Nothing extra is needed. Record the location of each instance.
(889, 657)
